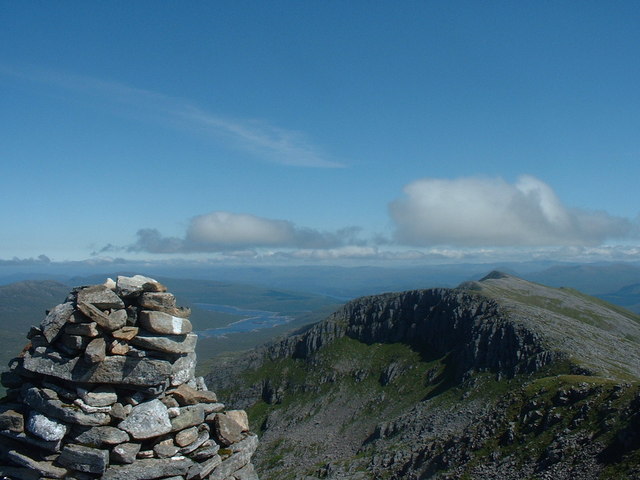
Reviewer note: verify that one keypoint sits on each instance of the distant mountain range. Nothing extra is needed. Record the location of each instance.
(496, 379)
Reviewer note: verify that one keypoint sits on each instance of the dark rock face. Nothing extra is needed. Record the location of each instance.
(435, 322)
(97, 394)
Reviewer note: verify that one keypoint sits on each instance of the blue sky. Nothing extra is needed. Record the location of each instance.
(319, 131)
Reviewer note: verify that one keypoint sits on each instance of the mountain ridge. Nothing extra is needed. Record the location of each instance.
(487, 379)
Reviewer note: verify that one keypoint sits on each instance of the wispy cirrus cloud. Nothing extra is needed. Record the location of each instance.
(259, 138)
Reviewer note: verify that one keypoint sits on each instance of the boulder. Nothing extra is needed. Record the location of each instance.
(147, 420)
(187, 417)
(163, 323)
(56, 319)
(100, 396)
(187, 395)
(125, 452)
(125, 333)
(89, 329)
(150, 468)
(101, 297)
(11, 419)
(226, 430)
(163, 302)
(84, 459)
(96, 350)
(177, 344)
(129, 286)
(187, 436)
(107, 322)
(45, 468)
(101, 436)
(46, 428)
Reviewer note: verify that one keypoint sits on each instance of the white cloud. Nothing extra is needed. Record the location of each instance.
(492, 212)
(233, 230)
(226, 231)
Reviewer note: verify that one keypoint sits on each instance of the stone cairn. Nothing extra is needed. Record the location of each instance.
(106, 388)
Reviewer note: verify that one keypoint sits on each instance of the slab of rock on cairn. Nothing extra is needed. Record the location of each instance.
(106, 388)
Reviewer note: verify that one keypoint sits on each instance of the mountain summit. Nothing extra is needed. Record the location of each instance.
(500, 378)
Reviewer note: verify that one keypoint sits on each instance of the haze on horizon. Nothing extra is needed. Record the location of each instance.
(298, 132)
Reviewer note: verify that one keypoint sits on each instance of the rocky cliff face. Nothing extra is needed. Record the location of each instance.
(496, 379)
(471, 329)
(106, 388)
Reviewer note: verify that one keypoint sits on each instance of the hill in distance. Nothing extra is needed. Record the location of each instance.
(500, 378)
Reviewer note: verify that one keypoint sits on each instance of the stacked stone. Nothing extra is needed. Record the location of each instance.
(106, 388)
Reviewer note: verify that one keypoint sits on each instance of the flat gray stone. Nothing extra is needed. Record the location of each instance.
(128, 286)
(226, 430)
(147, 420)
(125, 333)
(46, 428)
(187, 436)
(150, 468)
(119, 317)
(84, 459)
(88, 329)
(186, 395)
(178, 344)
(118, 412)
(240, 416)
(163, 323)
(183, 369)
(163, 302)
(11, 419)
(101, 436)
(31, 441)
(102, 319)
(112, 370)
(41, 401)
(165, 449)
(239, 459)
(187, 417)
(73, 342)
(44, 468)
(125, 452)
(204, 469)
(96, 351)
(203, 437)
(100, 396)
(100, 296)
(205, 452)
(52, 325)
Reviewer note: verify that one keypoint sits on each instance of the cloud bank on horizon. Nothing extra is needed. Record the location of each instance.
(440, 215)
(474, 212)
(224, 231)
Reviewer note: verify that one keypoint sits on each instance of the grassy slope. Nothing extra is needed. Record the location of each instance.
(329, 406)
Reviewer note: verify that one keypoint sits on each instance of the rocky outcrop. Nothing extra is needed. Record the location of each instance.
(106, 388)
(472, 329)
